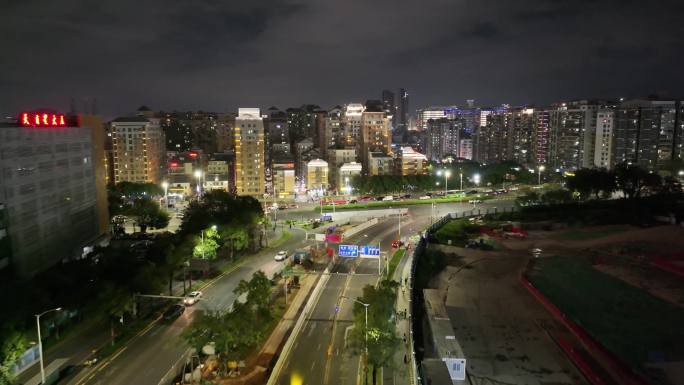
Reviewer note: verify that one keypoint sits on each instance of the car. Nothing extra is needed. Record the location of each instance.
(144, 244)
(379, 198)
(173, 312)
(281, 256)
(473, 201)
(293, 206)
(192, 298)
(406, 196)
(397, 244)
(388, 198)
(424, 197)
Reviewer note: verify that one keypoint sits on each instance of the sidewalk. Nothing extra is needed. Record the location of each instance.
(402, 371)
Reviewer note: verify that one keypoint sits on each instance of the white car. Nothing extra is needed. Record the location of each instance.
(192, 298)
(281, 256)
(424, 197)
(473, 201)
(388, 198)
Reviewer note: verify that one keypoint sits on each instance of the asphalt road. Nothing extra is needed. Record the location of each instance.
(150, 355)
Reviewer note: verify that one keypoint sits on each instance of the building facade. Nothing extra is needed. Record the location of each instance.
(317, 175)
(603, 153)
(410, 162)
(50, 189)
(250, 177)
(137, 149)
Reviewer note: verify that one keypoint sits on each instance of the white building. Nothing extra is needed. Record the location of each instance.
(604, 138)
(317, 175)
(465, 149)
(346, 174)
(248, 141)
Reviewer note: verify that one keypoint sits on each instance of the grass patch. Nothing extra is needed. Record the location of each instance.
(581, 235)
(283, 238)
(394, 262)
(407, 202)
(458, 231)
(628, 321)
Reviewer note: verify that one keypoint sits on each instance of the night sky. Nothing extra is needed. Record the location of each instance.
(218, 55)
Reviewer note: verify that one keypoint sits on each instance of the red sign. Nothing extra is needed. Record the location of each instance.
(42, 119)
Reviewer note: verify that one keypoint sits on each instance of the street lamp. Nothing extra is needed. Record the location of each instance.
(447, 174)
(365, 308)
(165, 185)
(198, 175)
(540, 168)
(460, 173)
(40, 342)
(476, 179)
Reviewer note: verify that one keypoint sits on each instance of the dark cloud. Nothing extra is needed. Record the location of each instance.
(219, 55)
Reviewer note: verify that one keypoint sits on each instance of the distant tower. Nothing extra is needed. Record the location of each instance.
(403, 108)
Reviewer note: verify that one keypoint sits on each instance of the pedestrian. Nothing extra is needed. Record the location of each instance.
(405, 359)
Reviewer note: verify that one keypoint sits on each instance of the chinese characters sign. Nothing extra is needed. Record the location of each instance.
(42, 119)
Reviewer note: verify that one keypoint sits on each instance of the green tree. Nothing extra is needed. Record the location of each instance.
(147, 213)
(258, 291)
(382, 339)
(12, 346)
(556, 197)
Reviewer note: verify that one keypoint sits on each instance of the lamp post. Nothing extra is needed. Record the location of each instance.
(165, 185)
(198, 175)
(460, 173)
(476, 179)
(365, 308)
(447, 174)
(540, 168)
(40, 342)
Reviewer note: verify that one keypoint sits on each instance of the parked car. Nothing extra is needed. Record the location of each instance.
(144, 244)
(424, 197)
(281, 256)
(192, 298)
(173, 312)
(293, 206)
(388, 198)
(473, 201)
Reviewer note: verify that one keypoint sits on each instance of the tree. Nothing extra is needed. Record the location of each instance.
(206, 245)
(148, 214)
(633, 181)
(382, 339)
(556, 197)
(528, 199)
(258, 291)
(591, 181)
(12, 346)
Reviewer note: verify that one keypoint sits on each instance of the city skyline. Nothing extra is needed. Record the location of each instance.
(220, 57)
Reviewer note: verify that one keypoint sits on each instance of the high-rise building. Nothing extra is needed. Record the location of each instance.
(249, 153)
(225, 123)
(52, 201)
(442, 138)
(605, 125)
(491, 141)
(375, 132)
(137, 149)
(427, 114)
(521, 127)
(465, 147)
(351, 124)
(322, 132)
(317, 175)
(540, 138)
(649, 132)
(572, 126)
(402, 111)
(334, 129)
(388, 103)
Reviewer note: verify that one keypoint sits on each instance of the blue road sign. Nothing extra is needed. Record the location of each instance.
(348, 251)
(370, 251)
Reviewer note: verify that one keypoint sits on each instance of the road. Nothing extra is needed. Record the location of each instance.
(150, 355)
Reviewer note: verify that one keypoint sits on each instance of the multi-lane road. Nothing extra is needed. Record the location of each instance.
(318, 354)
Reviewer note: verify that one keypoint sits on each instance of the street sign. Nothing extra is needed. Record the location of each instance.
(320, 237)
(370, 251)
(457, 368)
(348, 251)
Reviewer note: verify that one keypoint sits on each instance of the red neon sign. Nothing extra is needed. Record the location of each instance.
(42, 119)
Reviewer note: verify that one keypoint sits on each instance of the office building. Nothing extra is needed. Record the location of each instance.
(137, 149)
(52, 201)
(388, 103)
(375, 132)
(427, 114)
(402, 111)
(465, 147)
(317, 176)
(250, 177)
(442, 138)
(351, 124)
(540, 138)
